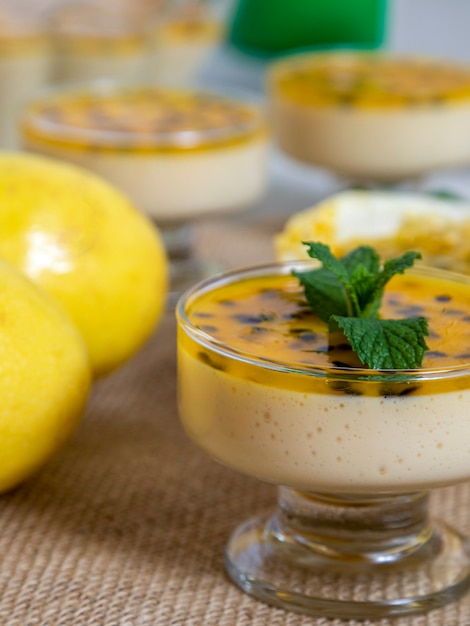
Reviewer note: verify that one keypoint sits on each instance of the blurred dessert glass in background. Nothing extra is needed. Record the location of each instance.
(372, 117)
(180, 156)
(25, 62)
(182, 39)
(96, 39)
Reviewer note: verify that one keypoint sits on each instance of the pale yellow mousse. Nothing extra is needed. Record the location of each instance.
(262, 390)
(372, 116)
(176, 154)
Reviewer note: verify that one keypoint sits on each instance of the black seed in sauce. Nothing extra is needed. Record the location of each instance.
(436, 353)
(411, 311)
(298, 315)
(255, 330)
(308, 337)
(456, 312)
(208, 328)
(202, 314)
(465, 355)
(205, 358)
(397, 390)
(268, 294)
(345, 387)
(443, 298)
(246, 318)
(227, 302)
(343, 364)
(339, 346)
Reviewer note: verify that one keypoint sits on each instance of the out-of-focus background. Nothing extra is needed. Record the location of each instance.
(138, 32)
(430, 26)
(411, 27)
(190, 42)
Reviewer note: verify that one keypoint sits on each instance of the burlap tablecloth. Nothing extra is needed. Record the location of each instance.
(127, 524)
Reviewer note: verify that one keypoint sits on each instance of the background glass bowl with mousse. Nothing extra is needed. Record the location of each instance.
(179, 155)
(371, 117)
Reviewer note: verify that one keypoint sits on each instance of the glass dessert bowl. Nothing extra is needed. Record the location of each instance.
(355, 451)
(98, 40)
(181, 41)
(180, 156)
(371, 117)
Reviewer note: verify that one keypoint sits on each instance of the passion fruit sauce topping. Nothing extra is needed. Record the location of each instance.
(373, 80)
(268, 320)
(141, 116)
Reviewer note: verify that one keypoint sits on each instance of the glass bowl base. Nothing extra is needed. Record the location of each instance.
(281, 571)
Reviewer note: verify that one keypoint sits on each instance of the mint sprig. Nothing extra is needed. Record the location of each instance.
(347, 294)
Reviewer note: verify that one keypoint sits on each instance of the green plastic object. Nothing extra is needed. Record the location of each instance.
(268, 28)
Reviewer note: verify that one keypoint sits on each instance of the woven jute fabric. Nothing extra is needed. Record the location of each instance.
(126, 525)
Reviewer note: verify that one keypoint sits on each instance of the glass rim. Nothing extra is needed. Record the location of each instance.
(43, 129)
(289, 64)
(347, 55)
(206, 340)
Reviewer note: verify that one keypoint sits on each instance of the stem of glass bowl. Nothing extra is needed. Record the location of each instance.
(363, 530)
(186, 268)
(345, 556)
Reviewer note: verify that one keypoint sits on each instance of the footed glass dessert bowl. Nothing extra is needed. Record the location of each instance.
(95, 40)
(372, 118)
(180, 156)
(265, 390)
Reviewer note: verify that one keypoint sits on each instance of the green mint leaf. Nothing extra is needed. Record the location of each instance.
(368, 296)
(363, 265)
(359, 281)
(397, 266)
(337, 270)
(363, 255)
(386, 344)
(373, 299)
(323, 253)
(347, 294)
(324, 293)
